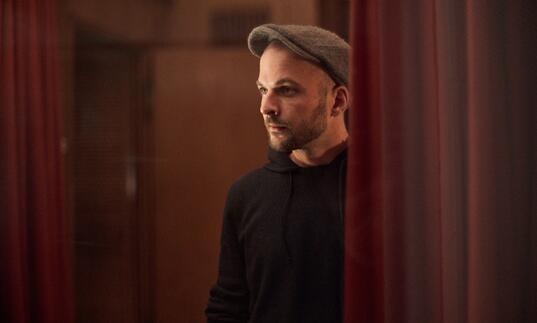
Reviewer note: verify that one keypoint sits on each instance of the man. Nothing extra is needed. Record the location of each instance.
(282, 236)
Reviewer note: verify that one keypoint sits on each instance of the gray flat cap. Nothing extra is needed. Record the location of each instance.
(312, 43)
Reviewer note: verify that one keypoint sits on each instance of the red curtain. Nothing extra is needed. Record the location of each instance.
(35, 277)
(441, 219)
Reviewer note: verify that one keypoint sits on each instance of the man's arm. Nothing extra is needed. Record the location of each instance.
(229, 298)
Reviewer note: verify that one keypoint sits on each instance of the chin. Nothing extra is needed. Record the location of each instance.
(279, 146)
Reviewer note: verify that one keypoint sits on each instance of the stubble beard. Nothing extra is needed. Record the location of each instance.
(300, 135)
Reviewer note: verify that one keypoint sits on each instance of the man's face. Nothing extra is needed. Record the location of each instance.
(293, 99)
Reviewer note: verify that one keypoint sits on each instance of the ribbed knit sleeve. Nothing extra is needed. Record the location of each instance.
(229, 297)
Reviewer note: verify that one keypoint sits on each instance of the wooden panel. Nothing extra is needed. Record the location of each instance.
(208, 132)
(106, 278)
(334, 15)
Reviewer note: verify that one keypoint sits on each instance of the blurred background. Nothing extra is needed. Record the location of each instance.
(147, 85)
(123, 123)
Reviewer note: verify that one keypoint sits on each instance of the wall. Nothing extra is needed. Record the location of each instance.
(176, 22)
(207, 132)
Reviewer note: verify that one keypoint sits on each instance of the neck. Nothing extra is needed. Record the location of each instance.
(316, 156)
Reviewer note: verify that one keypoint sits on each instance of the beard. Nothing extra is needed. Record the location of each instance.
(299, 135)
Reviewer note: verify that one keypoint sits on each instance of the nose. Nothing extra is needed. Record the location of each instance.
(269, 104)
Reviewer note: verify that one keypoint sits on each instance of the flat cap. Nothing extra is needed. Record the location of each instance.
(315, 44)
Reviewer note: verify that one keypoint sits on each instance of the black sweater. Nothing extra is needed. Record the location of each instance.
(282, 245)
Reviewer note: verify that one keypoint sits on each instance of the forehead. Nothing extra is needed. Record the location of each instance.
(278, 62)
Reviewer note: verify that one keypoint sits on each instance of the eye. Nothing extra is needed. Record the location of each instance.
(286, 90)
(262, 90)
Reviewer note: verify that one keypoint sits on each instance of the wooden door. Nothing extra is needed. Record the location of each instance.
(208, 132)
(112, 227)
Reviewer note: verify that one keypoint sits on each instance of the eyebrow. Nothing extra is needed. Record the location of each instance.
(282, 81)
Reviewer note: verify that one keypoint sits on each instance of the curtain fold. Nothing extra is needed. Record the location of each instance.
(442, 180)
(35, 275)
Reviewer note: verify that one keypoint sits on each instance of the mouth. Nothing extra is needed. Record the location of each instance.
(275, 127)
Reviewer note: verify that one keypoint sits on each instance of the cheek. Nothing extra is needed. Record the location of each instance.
(310, 108)
(300, 105)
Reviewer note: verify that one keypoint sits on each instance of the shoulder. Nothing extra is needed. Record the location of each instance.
(248, 184)
(249, 180)
(254, 185)
(242, 194)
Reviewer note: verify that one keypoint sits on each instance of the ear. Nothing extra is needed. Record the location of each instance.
(341, 100)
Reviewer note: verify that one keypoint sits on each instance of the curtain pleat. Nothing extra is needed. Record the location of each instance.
(442, 170)
(363, 298)
(35, 275)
